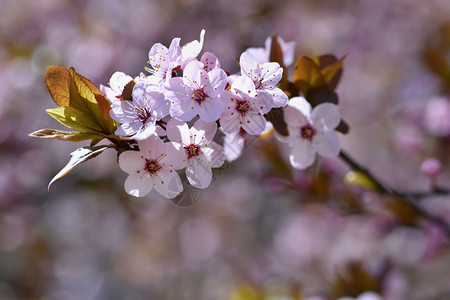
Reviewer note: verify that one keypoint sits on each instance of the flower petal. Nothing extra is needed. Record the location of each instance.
(193, 73)
(271, 74)
(229, 122)
(233, 145)
(280, 99)
(326, 116)
(131, 161)
(253, 124)
(178, 132)
(249, 66)
(210, 109)
(204, 131)
(302, 155)
(293, 115)
(174, 156)
(168, 184)
(327, 143)
(152, 147)
(218, 81)
(138, 185)
(215, 154)
(210, 61)
(144, 132)
(193, 48)
(199, 173)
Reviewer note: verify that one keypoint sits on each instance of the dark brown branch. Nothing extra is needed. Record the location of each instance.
(406, 198)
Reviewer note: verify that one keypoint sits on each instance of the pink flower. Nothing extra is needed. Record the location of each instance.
(244, 108)
(166, 63)
(311, 131)
(197, 92)
(117, 82)
(201, 153)
(153, 167)
(262, 55)
(265, 76)
(138, 117)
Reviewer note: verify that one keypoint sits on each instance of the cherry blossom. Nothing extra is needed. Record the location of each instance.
(138, 117)
(310, 131)
(153, 166)
(266, 76)
(262, 55)
(197, 92)
(201, 153)
(117, 82)
(165, 62)
(169, 62)
(244, 108)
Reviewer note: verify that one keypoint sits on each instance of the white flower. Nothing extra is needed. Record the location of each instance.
(263, 54)
(153, 166)
(244, 108)
(197, 92)
(117, 82)
(138, 117)
(265, 76)
(201, 153)
(311, 132)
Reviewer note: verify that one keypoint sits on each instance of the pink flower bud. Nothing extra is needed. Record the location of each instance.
(431, 167)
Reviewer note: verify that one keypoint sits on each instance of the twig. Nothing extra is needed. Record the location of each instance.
(406, 198)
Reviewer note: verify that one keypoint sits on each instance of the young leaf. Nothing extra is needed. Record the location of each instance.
(58, 81)
(332, 73)
(79, 101)
(71, 136)
(77, 157)
(74, 119)
(307, 75)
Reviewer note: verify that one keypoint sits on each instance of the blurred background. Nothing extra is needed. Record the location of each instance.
(261, 230)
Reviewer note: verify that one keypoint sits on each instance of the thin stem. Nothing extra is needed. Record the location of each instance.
(406, 198)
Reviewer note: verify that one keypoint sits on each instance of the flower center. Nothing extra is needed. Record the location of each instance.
(192, 150)
(242, 106)
(307, 132)
(152, 166)
(199, 95)
(258, 84)
(143, 113)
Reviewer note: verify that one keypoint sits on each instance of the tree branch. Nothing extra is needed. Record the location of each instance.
(406, 198)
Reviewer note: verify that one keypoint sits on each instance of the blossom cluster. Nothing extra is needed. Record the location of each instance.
(175, 109)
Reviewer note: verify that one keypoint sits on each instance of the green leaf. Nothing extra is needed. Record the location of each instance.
(77, 157)
(74, 119)
(71, 136)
